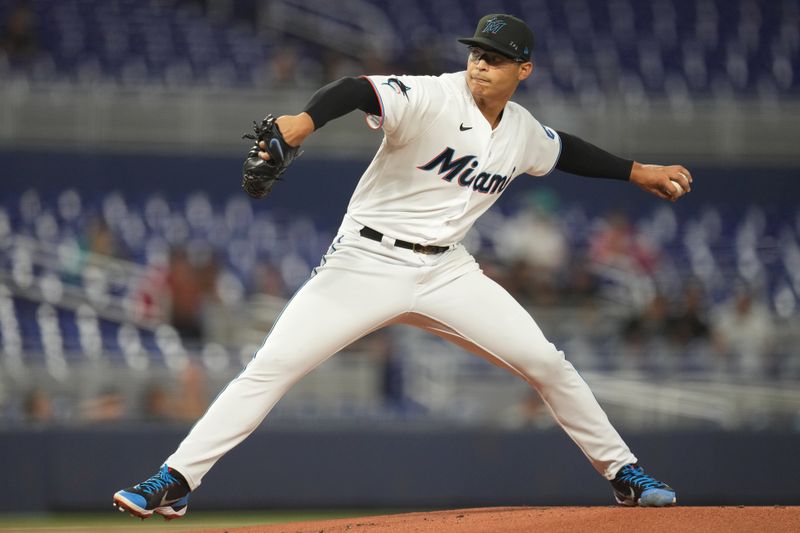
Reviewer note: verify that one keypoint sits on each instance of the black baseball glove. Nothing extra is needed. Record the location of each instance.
(258, 176)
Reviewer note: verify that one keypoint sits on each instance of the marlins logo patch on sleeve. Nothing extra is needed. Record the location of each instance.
(398, 86)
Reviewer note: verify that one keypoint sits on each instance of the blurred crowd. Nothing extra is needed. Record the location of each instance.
(531, 253)
(671, 49)
(286, 62)
(675, 326)
(579, 276)
(181, 399)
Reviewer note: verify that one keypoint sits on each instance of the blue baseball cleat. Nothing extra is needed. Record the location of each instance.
(633, 487)
(166, 493)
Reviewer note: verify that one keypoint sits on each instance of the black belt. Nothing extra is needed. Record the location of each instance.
(374, 235)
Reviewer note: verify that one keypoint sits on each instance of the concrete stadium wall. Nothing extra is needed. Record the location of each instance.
(59, 469)
(103, 118)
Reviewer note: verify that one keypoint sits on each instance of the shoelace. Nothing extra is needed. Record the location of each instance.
(637, 477)
(162, 480)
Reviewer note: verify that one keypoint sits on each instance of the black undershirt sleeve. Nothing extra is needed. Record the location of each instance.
(341, 97)
(577, 156)
(585, 159)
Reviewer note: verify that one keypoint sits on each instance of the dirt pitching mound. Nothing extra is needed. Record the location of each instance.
(776, 519)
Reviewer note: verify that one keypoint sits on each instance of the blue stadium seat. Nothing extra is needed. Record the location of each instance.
(717, 47)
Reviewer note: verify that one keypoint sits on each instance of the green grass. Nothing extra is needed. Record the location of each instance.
(116, 521)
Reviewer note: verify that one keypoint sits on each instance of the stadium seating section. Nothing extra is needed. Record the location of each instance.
(674, 48)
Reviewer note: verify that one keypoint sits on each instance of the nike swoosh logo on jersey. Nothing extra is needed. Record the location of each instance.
(464, 128)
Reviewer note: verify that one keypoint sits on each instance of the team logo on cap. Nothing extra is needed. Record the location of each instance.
(493, 25)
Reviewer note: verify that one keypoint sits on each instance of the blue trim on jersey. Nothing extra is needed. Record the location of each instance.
(380, 103)
(560, 146)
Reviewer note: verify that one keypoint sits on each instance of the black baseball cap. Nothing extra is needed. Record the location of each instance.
(505, 34)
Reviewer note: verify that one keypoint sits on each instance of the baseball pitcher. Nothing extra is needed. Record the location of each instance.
(452, 144)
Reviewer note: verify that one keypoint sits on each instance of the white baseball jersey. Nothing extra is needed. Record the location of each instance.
(441, 165)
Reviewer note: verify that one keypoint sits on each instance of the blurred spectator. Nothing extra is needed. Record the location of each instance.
(580, 286)
(269, 280)
(743, 333)
(192, 396)
(534, 243)
(288, 68)
(38, 407)
(157, 404)
(617, 244)
(99, 239)
(184, 400)
(190, 285)
(378, 346)
(150, 296)
(18, 39)
(108, 406)
(649, 324)
(688, 323)
(283, 67)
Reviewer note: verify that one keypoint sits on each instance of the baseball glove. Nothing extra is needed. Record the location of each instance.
(259, 176)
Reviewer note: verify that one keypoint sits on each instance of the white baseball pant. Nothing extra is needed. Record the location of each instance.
(363, 285)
